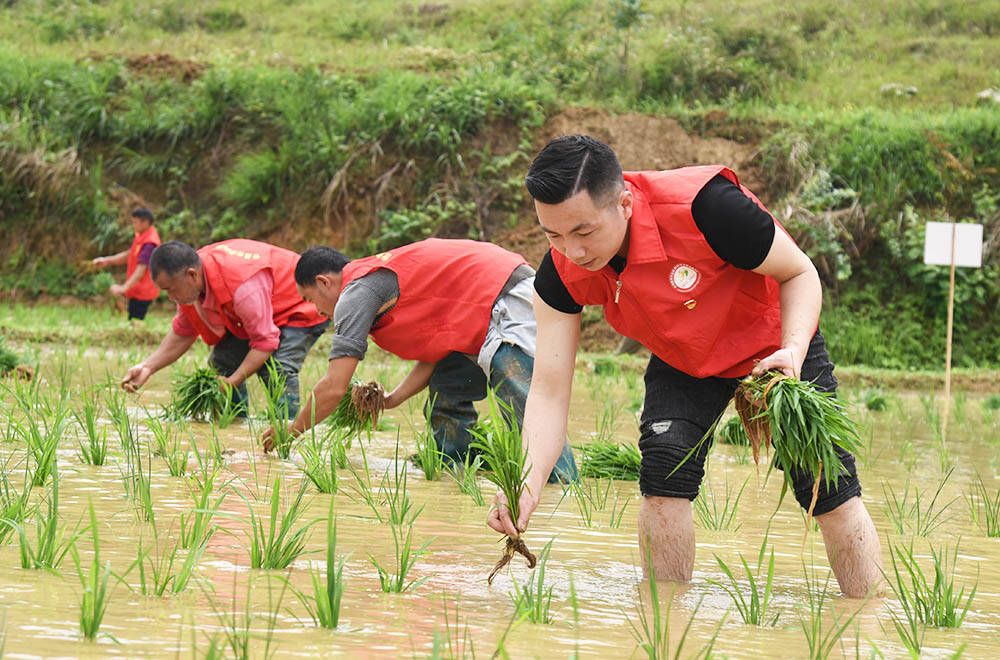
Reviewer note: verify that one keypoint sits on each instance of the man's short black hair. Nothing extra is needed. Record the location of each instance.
(318, 260)
(571, 163)
(171, 258)
(143, 214)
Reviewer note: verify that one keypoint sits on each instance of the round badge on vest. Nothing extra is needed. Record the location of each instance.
(684, 277)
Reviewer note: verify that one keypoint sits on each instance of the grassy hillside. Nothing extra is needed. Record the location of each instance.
(373, 124)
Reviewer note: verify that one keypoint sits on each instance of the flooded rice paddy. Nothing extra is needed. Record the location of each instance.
(924, 497)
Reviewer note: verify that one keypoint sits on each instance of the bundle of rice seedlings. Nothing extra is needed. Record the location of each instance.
(803, 425)
(604, 459)
(10, 364)
(360, 411)
(199, 396)
(503, 455)
(732, 433)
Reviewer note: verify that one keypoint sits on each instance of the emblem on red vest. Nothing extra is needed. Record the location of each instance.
(684, 278)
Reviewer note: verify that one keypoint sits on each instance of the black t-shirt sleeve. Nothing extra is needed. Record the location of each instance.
(736, 228)
(550, 288)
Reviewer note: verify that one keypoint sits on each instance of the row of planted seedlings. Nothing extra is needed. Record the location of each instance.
(278, 540)
(166, 560)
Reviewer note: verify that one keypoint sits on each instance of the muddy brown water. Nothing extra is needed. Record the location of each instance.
(40, 610)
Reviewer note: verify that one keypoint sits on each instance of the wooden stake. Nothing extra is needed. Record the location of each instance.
(947, 349)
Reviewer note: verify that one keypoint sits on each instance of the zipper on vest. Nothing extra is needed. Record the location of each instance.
(618, 290)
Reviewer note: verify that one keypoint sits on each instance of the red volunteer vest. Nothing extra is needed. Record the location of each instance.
(144, 289)
(694, 311)
(447, 289)
(228, 264)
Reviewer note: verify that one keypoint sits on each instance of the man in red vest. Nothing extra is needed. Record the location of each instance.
(461, 309)
(689, 263)
(239, 296)
(138, 288)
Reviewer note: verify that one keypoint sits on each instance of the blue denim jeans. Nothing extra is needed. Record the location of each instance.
(287, 360)
(457, 381)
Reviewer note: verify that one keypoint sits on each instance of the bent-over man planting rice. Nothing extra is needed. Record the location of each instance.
(689, 263)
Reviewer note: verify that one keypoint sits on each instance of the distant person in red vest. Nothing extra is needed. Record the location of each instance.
(461, 309)
(138, 287)
(689, 263)
(239, 296)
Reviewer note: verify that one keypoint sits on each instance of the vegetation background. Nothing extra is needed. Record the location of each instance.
(369, 125)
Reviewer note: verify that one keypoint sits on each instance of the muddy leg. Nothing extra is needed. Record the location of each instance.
(666, 537)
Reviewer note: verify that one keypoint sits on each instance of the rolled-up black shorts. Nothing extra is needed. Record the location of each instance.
(137, 308)
(679, 410)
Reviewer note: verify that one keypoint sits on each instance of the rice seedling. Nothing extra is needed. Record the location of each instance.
(607, 421)
(534, 599)
(319, 465)
(278, 543)
(137, 479)
(604, 459)
(168, 447)
(992, 402)
(159, 572)
(875, 400)
(984, 508)
(94, 603)
(396, 495)
(8, 359)
(118, 412)
(802, 424)
(753, 604)
(94, 447)
(910, 515)
(201, 395)
(715, 512)
(931, 602)
(324, 605)
(592, 496)
(458, 643)
(823, 632)
(238, 625)
(52, 543)
(359, 411)
(428, 458)
(958, 406)
(276, 411)
(14, 507)
(466, 477)
(651, 630)
(732, 433)
(394, 580)
(41, 427)
(196, 526)
(504, 456)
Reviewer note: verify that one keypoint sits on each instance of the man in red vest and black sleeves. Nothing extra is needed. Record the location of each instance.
(689, 263)
(461, 309)
(239, 296)
(138, 287)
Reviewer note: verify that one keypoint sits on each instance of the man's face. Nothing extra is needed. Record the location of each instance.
(588, 234)
(323, 294)
(184, 288)
(140, 225)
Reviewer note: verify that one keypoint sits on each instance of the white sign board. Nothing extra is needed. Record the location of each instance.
(968, 244)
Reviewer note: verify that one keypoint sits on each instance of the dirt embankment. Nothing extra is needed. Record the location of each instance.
(642, 142)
